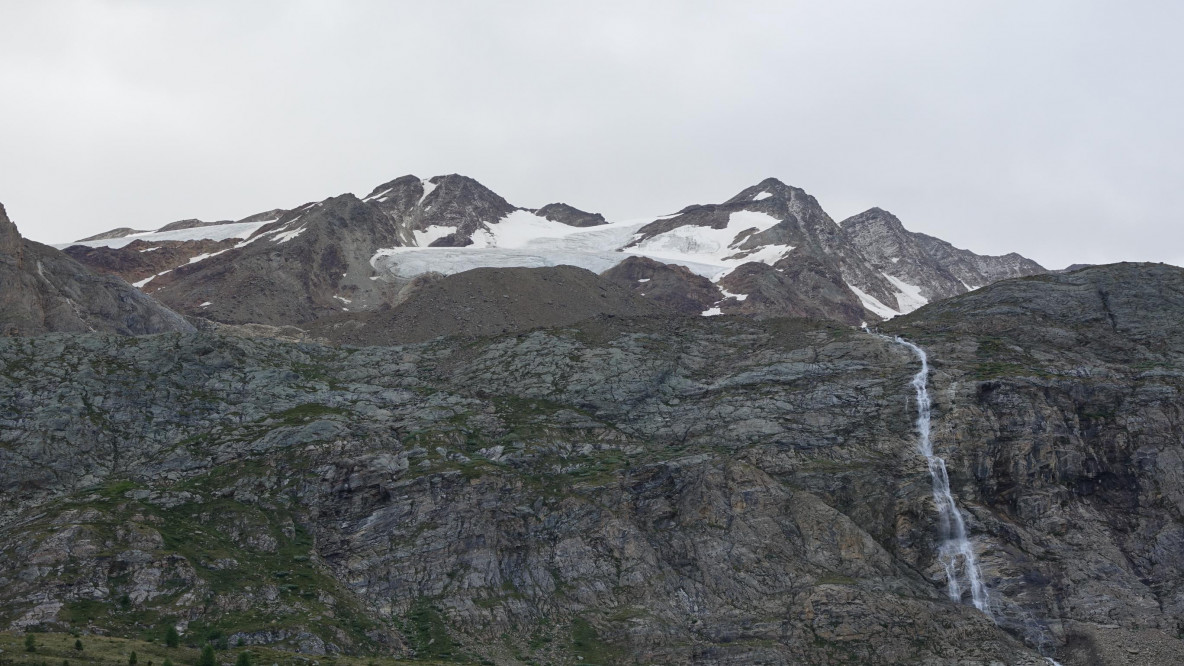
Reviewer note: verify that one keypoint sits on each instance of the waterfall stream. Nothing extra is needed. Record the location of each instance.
(954, 552)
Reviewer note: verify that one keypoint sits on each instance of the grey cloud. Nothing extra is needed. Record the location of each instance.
(1046, 128)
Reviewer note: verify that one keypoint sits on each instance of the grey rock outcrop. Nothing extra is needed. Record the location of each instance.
(801, 286)
(570, 215)
(43, 290)
(452, 201)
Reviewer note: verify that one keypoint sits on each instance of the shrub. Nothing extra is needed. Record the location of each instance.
(207, 656)
(78, 644)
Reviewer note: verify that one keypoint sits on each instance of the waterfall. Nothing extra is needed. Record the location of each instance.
(955, 553)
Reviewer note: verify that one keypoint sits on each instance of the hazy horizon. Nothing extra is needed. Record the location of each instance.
(1050, 130)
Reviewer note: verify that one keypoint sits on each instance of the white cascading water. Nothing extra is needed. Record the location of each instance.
(954, 552)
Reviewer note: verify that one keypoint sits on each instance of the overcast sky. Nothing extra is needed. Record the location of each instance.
(1054, 129)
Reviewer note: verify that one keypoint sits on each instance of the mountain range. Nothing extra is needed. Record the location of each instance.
(428, 426)
(771, 250)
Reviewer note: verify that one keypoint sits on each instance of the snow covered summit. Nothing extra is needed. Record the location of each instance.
(769, 250)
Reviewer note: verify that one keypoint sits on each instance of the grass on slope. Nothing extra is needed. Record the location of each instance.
(55, 648)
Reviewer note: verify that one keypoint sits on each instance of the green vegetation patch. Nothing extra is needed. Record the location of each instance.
(590, 648)
(427, 633)
(308, 412)
(54, 648)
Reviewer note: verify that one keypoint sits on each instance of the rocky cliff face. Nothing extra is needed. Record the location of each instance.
(43, 290)
(939, 270)
(1061, 414)
(709, 490)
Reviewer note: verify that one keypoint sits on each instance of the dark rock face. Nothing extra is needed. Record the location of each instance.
(802, 286)
(10, 238)
(938, 268)
(668, 490)
(670, 286)
(452, 240)
(42, 290)
(1060, 407)
(818, 243)
(312, 262)
(463, 203)
(139, 260)
(489, 301)
(452, 201)
(570, 215)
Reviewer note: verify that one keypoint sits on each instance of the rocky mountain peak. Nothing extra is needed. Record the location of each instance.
(873, 216)
(400, 196)
(570, 215)
(769, 188)
(460, 198)
(930, 267)
(876, 231)
(450, 200)
(401, 182)
(10, 238)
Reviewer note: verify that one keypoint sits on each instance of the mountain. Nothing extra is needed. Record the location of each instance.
(939, 269)
(668, 285)
(42, 291)
(444, 211)
(657, 489)
(310, 263)
(770, 250)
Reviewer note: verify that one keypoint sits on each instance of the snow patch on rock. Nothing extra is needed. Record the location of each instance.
(217, 232)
